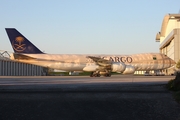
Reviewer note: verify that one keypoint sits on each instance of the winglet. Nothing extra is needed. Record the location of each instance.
(20, 44)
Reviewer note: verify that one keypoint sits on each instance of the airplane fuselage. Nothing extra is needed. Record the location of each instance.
(98, 65)
(71, 62)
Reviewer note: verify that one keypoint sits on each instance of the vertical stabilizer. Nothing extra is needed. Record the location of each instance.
(20, 44)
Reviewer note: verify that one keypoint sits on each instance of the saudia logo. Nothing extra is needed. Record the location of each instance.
(18, 44)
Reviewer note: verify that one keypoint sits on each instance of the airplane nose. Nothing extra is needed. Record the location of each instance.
(172, 62)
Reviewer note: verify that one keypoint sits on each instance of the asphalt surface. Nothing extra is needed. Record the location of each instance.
(84, 98)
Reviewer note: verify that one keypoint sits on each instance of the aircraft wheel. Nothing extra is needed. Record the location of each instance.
(91, 75)
(97, 75)
(107, 75)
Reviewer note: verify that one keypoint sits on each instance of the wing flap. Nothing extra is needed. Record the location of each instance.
(101, 61)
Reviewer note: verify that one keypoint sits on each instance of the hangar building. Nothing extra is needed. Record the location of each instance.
(169, 39)
(12, 68)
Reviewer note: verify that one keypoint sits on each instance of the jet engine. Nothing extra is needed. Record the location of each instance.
(118, 67)
(90, 68)
(129, 69)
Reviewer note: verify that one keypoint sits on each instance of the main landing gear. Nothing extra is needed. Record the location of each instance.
(97, 74)
(107, 75)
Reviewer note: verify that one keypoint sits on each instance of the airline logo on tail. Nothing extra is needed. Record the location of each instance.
(18, 44)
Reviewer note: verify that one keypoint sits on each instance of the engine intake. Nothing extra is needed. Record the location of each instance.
(129, 70)
(118, 67)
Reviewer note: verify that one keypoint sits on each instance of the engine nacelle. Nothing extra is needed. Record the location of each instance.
(129, 70)
(90, 68)
(118, 67)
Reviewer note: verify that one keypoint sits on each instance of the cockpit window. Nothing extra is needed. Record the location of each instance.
(154, 57)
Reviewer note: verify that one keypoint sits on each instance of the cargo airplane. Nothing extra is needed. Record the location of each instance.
(26, 52)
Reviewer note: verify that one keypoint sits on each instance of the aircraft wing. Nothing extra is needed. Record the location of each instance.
(100, 61)
(108, 66)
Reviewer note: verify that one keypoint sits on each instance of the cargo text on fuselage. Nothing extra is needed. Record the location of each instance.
(123, 59)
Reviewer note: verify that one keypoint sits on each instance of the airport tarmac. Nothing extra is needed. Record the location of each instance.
(82, 97)
(74, 83)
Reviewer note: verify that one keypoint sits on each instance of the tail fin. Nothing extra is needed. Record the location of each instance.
(20, 44)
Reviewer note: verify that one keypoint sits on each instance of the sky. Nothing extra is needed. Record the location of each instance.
(86, 26)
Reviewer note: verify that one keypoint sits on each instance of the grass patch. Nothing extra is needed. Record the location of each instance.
(170, 85)
(80, 74)
(177, 96)
(175, 88)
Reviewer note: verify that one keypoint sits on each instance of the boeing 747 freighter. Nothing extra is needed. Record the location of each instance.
(26, 52)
